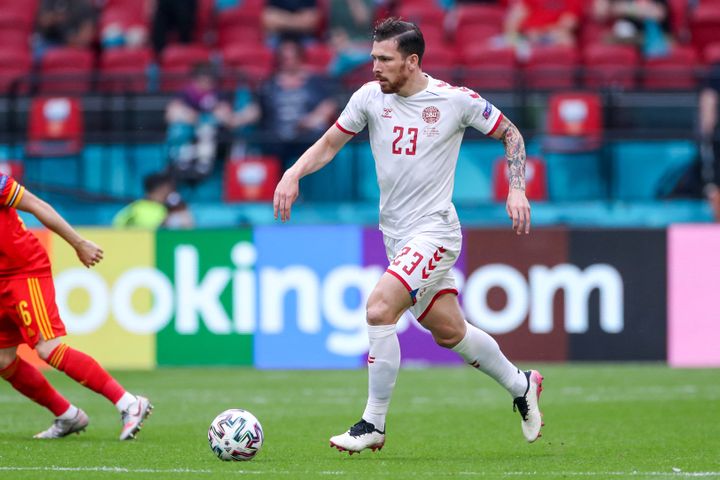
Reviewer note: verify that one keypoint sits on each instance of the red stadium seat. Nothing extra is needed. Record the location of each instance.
(176, 62)
(610, 65)
(240, 25)
(318, 57)
(15, 64)
(255, 62)
(705, 24)
(440, 61)
(574, 123)
(711, 54)
(675, 71)
(475, 34)
(487, 68)
(66, 70)
(551, 67)
(55, 127)
(421, 13)
(251, 179)
(27, 9)
(535, 179)
(479, 14)
(125, 70)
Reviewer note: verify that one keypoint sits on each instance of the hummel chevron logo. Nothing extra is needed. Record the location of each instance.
(430, 265)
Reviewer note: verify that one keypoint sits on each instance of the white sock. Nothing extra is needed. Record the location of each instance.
(481, 351)
(70, 413)
(383, 367)
(125, 401)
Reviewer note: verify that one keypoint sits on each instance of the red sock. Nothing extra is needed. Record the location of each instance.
(28, 380)
(85, 370)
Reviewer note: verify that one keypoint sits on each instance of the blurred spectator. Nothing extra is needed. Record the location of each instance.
(65, 23)
(296, 105)
(350, 24)
(546, 22)
(299, 18)
(176, 16)
(198, 119)
(179, 215)
(645, 23)
(150, 211)
(709, 141)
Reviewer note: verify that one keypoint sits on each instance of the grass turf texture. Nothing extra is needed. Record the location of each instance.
(602, 421)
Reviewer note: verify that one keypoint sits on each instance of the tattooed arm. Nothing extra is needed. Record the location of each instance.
(518, 207)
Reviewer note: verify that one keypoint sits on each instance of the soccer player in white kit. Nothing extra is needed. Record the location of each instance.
(416, 124)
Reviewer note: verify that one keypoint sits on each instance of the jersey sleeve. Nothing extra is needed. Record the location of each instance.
(10, 192)
(479, 113)
(354, 117)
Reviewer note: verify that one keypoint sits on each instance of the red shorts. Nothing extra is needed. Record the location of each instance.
(28, 311)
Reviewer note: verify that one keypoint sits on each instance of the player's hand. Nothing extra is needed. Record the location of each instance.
(286, 193)
(518, 209)
(89, 253)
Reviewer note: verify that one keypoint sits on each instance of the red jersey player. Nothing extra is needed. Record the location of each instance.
(28, 314)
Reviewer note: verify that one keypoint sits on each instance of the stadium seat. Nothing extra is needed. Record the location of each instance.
(610, 65)
(318, 57)
(572, 147)
(676, 71)
(485, 67)
(421, 13)
(66, 70)
(15, 64)
(176, 61)
(55, 127)
(205, 22)
(480, 15)
(240, 25)
(255, 62)
(15, 38)
(711, 54)
(440, 61)
(550, 67)
(27, 9)
(705, 24)
(535, 179)
(251, 179)
(574, 123)
(469, 35)
(125, 70)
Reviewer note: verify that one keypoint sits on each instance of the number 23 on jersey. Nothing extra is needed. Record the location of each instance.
(400, 133)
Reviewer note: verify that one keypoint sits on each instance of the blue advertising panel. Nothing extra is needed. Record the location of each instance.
(311, 293)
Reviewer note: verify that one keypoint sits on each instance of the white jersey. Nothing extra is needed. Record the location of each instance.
(415, 141)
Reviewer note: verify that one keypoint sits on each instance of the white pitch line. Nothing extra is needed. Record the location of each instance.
(105, 469)
(633, 473)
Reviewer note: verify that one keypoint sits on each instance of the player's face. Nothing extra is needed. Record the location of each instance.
(389, 66)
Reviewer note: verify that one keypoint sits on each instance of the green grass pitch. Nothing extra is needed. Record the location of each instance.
(602, 421)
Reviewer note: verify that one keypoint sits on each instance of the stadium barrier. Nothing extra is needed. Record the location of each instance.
(293, 296)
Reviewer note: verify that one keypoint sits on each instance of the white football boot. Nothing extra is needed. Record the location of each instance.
(528, 406)
(133, 417)
(63, 428)
(362, 435)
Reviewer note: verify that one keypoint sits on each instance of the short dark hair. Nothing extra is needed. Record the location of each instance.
(154, 181)
(408, 35)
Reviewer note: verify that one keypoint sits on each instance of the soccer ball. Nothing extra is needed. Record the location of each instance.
(235, 434)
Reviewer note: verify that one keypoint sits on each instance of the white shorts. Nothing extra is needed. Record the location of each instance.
(423, 264)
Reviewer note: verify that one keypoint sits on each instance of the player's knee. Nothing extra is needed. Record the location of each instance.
(45, 348)
(448, 337)
(7, 356)
(379, 313)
